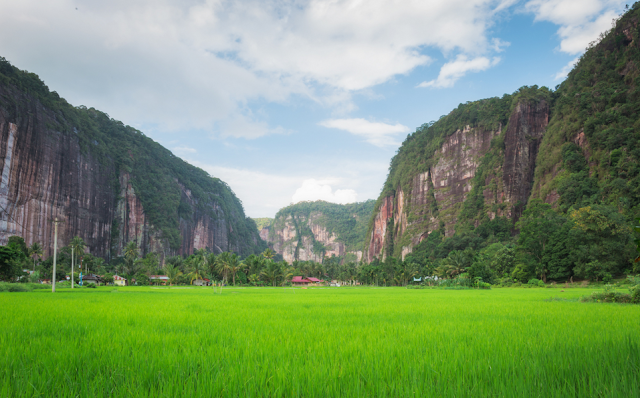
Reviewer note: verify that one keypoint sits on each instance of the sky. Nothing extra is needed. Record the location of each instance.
(294, 100)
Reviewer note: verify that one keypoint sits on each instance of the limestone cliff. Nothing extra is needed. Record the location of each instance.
(310, 231)
(109, 182)
(474, 171)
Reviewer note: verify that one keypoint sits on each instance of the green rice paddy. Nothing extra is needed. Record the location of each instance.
(324, 342)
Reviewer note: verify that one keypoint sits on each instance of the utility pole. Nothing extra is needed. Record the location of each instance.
(72, 267)
(55, 221)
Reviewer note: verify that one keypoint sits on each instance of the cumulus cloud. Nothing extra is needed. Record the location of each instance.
(196, 65)
(376, 133)
(321, 190)
(566, 69)
(580, 21)
(454, 70)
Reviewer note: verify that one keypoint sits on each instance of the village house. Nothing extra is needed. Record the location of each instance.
(300, 281)
(316, 281)
(95, 279)
(159, 279)
(119, 281)
(202, 282)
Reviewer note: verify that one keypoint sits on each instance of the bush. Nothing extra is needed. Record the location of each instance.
(15, 287)
(90, 285)
(635, 295)
(535, 282)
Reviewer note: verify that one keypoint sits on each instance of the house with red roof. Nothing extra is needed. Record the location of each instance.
(300, 281)
(160, 279)
(316, 281)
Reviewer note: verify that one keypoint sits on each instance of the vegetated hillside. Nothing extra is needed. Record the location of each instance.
(312, 230)
(110, 182)
(537, 161)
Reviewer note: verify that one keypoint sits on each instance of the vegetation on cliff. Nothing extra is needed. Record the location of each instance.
(156, 174)
(587, 170)
(347, 221)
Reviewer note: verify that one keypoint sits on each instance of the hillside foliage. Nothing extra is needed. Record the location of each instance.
(155, 172)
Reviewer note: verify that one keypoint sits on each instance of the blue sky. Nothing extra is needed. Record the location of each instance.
(294, 100)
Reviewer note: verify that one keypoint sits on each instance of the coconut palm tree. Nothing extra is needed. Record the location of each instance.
(172, 272)
(131, 254)
(223, 264)
(268, 254)
(455, 263)
(271, 272)
(35, 251)
(234, 266)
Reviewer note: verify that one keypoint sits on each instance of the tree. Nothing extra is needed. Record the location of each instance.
(131, 255)
(198, 267)
(271, 272)
(108, 278)
(268, 254)
(538, 226)
(35, 252)
(602, 241)
(455, 263)
(9, 267)
(234, 266)
(223, 264)
(78, 246)
(172, 272)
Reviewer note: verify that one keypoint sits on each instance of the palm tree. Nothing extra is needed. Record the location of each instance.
(271, 272)
(223, 264)
(410, 270)
(286, 273)
(455, 263)
(78, 247)
(131, 254)
(268, 254)
(235, 266)
(35, 251)
(172, 272)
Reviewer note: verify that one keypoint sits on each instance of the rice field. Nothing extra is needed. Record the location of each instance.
(324, 342)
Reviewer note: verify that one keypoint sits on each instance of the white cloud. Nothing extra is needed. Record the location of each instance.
(376, 133)
(581, 21)
(183, 149)
(566, 69)
(454, 70)
(196, 65)
(263, 193)
(321, 190)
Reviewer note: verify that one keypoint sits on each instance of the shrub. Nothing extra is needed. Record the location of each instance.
(15, 287)
(90, 285)
(635, 295)
(535, 282)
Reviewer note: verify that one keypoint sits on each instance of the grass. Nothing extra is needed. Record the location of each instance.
(382, 342)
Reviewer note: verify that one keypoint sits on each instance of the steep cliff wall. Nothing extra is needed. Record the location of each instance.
(310, 231)
(109, 182)
(470, 174)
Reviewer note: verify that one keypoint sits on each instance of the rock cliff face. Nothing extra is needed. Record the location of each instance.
(48, 171)
(435, 198)
(310, 231)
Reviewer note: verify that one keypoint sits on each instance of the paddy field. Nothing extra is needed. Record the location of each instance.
(322, 342)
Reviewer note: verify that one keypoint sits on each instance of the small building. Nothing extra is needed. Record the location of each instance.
(316, 281)
(159, 279)
(119, 281)
(300, 281)
(95, 279)
(202, 282)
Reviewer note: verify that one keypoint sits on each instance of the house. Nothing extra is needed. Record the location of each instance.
(95, 279)
(201, 282)
(316, 281)
(300, 281)
(334, 283)
(159, 279)
(119, 281)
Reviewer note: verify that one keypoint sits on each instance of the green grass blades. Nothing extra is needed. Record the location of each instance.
(348, 342)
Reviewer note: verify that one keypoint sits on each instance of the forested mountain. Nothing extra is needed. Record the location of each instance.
(309, 231)
(546, 181)
(108, 181)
